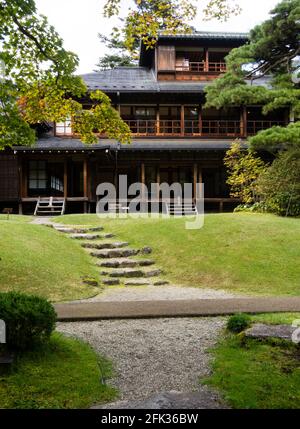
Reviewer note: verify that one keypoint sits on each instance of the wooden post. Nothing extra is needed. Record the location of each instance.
(243, 126)
(200, 119)
(157, 181)
(200, 181)
(66, 178)
(157, 120)
(182, 120)
(143, 179)
(85, 183)
(195, 181)
(206, 65)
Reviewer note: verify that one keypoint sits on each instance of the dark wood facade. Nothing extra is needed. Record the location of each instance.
(174, 138)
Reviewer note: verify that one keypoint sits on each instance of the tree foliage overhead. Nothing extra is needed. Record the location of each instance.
(272, 54)
(147, 18)
(38, 82)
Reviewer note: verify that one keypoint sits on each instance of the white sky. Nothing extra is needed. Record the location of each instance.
(79, 21)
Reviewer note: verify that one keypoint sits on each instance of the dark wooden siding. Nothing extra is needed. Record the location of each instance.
(9, 178)
(166, 58)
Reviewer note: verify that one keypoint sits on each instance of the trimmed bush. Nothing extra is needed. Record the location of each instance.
(29, 320)
(238, 323)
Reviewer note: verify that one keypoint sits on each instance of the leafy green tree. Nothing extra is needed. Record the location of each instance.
(272, 51)
(243, 169)
(278, 186)
(38, 81)
(111, 61)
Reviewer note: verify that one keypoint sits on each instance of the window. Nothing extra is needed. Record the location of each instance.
(37, 175)
(63, 128)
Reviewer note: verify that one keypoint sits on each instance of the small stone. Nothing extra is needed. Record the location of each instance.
(146, 250)
(90, 281)
(160, 283)
(261, 331)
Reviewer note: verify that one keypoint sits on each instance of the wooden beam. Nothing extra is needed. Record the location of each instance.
(182, 120)
(157, 120)
(143, 178)
(200, 119)
(157, 180)
(65, 178)
(200, 177)
(206, 65)
(85, 178)
(195, 180)
(244, 121)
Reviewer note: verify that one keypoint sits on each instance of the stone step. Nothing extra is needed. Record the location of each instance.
(126, 263)
(137, 282)
(85, 236)
(78, 230)
(100, 246)
(113, 253)
(111, 282)
(131, 273)
(160, 283)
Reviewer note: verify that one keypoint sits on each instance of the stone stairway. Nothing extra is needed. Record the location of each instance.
(118, 263)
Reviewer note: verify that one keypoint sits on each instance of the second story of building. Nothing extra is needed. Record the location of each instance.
(195, 56)
(164, 96)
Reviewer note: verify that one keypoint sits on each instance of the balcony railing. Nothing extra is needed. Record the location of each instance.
(201, 67)
(190, 128)
(253, 127)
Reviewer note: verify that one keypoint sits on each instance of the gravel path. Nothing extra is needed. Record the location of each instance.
(158, 293)
(154, 355)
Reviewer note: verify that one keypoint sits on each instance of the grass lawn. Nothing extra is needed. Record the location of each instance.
(253, 374)
(64, 374)
(39, 260)
(242, 252)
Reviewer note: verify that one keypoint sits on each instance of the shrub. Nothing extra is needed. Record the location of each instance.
(238, 323)
(29, 319)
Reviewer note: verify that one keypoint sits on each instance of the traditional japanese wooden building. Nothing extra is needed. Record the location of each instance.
(173, 138)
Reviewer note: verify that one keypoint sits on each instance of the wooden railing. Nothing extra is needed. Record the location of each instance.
(253, 127)
(201, 67)
(221, 128)
(190, 128)
(219, 67)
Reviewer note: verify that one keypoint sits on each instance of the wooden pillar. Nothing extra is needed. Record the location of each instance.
(85, 183)
(157, 120)
(85, 177)
(66, 178)
(195, 181)
(143, 178)
(200, 176)
(157, 181)
(243, 122)
(200, 119)
(182, 120)
(206, 65)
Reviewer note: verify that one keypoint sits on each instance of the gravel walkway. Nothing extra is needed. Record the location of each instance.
(155, 355)
(158, 293)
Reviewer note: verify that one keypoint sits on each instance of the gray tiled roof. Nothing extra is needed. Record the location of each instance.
(123, 79)
(212, 35)
(56, 144)
(141, 79)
